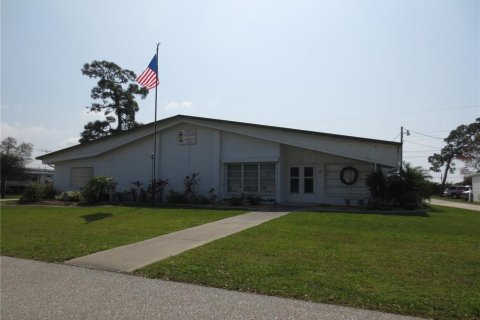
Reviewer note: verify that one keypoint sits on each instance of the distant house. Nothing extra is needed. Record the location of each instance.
(233, 158)
(476, 187)
(30, 177)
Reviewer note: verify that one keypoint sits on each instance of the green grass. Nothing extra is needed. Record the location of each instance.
(419, 265)
(61, 233)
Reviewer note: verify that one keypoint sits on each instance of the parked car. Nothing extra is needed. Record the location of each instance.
(454, 191)
(465, 195)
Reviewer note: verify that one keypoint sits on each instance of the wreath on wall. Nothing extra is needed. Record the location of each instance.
(349, 175)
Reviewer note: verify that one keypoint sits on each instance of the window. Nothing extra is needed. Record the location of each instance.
(267, 178)
(79, 176)
(294, 179)
(234, 181)
(251, 178)
(301, 180)
(308, 179)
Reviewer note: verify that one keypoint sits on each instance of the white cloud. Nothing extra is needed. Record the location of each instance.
(180, 105)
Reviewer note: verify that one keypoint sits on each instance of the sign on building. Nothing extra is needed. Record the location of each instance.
(187, 136)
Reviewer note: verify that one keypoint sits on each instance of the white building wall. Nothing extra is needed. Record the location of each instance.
(236, 148)
(209, 154)
(328, 187)
(239, 148)
(476, 187)
(130, 162)
(175, 161)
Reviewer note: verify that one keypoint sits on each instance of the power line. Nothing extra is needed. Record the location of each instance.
(396, 137)
(426, 135)
(416, 157)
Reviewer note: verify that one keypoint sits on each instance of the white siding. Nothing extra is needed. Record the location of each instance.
(335, 187)
(179, 160)
(476, 187)
(371, 151)
(128, 163)
(238, 148)
(326, 177)
(79, 176)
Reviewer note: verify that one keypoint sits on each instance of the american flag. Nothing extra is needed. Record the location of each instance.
(148, 78)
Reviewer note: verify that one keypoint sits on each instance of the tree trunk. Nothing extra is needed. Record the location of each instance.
(444, 180)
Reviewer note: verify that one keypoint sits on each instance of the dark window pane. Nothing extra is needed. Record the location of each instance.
(294, 172)
(294, 185)
(308, 172)
(308, 185)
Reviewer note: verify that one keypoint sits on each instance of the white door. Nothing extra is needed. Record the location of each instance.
(301, 183)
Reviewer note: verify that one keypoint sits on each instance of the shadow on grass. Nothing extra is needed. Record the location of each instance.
(96, 216)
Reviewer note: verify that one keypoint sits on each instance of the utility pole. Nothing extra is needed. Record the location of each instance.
(401, 146)
(401, 149)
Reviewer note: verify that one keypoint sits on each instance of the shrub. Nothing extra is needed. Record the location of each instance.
(134, 190)
(48, 191)
(407, 188)
(191, 184)
(98, 189)
(36, 192)
(201, 199)
(159, 188)
(410, 187)
(377, 185)
(243, 200)
(181, 197)
(69, 196)
(254, 200)
(142, 195)
(31, 194)
(176, 197)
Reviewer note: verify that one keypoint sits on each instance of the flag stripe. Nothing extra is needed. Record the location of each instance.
(148, 78)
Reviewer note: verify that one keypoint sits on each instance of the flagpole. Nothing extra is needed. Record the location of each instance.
(154, 154)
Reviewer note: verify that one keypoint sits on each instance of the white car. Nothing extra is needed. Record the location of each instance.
(454, 191)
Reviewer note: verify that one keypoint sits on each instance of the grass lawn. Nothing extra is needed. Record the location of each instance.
(419, 265)
(61, 233)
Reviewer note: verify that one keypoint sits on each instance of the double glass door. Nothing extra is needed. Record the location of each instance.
(302, 179)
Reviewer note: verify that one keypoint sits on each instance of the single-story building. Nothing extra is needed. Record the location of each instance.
(234, 158)
(30, 176)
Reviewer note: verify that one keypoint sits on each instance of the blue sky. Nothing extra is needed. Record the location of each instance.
(355, 67)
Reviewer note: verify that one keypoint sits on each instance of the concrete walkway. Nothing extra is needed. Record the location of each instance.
(454, 204)
(134, 256)
(32, 290)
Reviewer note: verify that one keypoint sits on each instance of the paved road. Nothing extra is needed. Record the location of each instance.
(454, 204)
(137, 255)
(37, 290)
